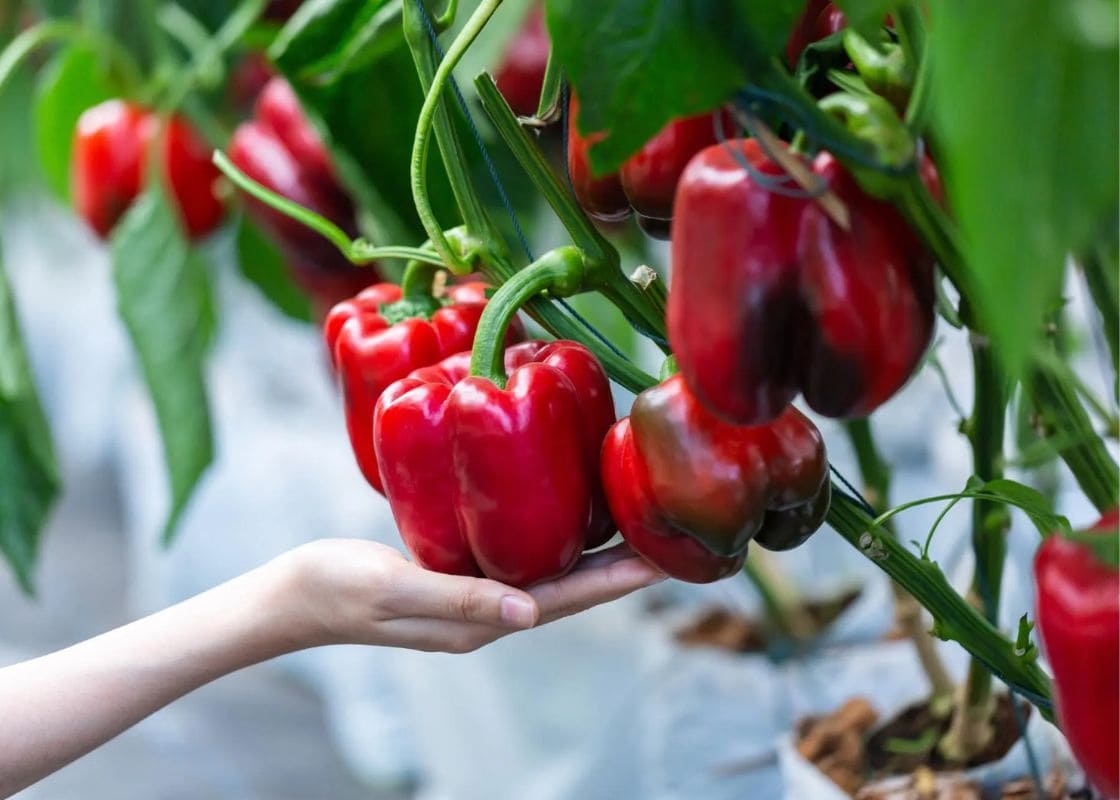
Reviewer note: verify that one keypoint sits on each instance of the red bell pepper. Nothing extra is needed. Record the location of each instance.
(647, 181)
(111, 145)
(521, 74)
(497, 482)
(770, 296)
(819, 20)
(690, 492)
(375, 339)
(650, 176)
(1078, 613)
(601, 197)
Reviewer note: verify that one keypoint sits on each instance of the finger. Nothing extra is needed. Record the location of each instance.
(417, 592)
(580, 590)
(437, 635)
(604, 557)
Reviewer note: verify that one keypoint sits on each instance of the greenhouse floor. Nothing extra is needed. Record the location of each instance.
(255, 734)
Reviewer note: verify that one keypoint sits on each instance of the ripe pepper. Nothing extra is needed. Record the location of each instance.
(375, 339)
(1078, 613)
(498, 482)
(111, 145)
(770, 296)
(647, 181)
(281, 150)
(819, 20)
(521, 74)
(690, 492)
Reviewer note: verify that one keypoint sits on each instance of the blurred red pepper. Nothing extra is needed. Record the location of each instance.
(111, 146)
(376, 338)
(690, 492)
(647, 181)
(521, 74)
(1078, 612)
(769, 296)
(819, 20)
(281, 150)
(491, 481)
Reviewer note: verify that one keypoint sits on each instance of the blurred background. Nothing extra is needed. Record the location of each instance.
(679, 691)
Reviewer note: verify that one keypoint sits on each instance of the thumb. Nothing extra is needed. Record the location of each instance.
(463, 599)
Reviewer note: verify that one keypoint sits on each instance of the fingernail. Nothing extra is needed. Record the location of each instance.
(517, 611)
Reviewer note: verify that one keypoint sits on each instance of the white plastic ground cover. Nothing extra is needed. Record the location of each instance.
(803, 780)
(282, 475)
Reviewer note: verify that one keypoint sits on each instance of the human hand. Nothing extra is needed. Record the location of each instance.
(352, 591)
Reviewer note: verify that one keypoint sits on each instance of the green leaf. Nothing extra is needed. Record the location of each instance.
(164, 299)
(1026, 138)
(17, 171)
(332, 37)
(262, 265)
(636, 64)
(29, 479)
(1028, 500)
(866, 16)
(70, 84)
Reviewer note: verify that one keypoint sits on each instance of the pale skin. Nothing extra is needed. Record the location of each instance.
(335, 591)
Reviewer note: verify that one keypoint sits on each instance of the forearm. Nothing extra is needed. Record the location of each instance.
(58, 707)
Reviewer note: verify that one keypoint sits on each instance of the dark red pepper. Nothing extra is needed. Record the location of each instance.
(601, 197)
(521, 74)
(647, 181)
(690, 492)
(771, 297)
(491, 481)
(111, 147)
(375, 339)
(1078, 613)
(650, 176)
(819, 20)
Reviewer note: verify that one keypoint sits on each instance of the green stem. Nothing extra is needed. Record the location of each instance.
(428, 114)
(357, 251)
(548, 107)
(1100, 269)
(235, 26)
(66, 31)
(646, 306)
(1064, 421)
(876, 476)
(971, 729)
(954, 618)
(560, 272)
(779, 596)
(417, 280)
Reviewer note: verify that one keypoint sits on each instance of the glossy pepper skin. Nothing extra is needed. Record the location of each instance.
(771, 297)
(521, 73)
(111, 146)
(650, 176)
(1078, 613)
(601, 197)
(369, 350)
(647, 181)
(690, 492)
(491, 481)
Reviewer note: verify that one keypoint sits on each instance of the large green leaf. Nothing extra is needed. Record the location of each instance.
(17, 171)
(29, 480)
(1026, 115)
(636, 64)
(163, 296)
(262, 265)
(70, 84)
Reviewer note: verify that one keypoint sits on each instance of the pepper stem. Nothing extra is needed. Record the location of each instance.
(560, 272)
(422, 140)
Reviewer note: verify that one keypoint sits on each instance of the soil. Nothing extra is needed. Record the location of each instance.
(899, 760)
(727, 630)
